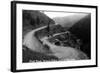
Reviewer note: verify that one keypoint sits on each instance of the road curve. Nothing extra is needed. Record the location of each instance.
(63, 53)
(31, 41)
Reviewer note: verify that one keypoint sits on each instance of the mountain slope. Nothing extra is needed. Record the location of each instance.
(82, 30)
(68, 21)
(33, 19)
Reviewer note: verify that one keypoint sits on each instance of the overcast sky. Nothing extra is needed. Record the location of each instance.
(57, 14)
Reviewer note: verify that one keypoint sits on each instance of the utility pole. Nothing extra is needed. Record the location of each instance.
(48, 28)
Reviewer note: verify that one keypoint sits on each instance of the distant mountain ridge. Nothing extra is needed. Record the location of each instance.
(68, 21)
(82, 28)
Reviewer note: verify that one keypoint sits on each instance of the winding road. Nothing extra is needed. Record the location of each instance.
(63, 53)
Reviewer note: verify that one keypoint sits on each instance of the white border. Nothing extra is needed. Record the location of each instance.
(21, 65)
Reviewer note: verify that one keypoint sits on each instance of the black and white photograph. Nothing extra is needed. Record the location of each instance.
(53, 36)
(56, 36)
